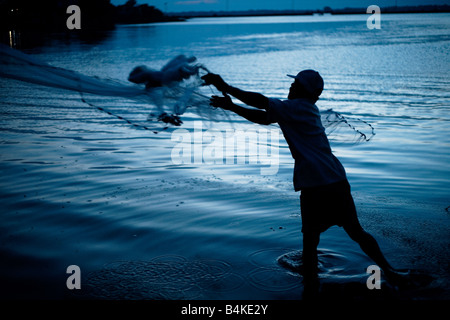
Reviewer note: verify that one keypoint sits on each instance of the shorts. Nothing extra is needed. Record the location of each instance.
(325, 206)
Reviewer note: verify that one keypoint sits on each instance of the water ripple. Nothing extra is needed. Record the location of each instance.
(168, 277)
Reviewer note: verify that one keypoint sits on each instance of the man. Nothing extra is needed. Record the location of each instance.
(325, 198)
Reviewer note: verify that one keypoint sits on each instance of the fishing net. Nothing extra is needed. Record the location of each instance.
(172, 92)
(346, 129)
(152, 108)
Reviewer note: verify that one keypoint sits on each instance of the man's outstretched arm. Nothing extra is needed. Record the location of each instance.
(253, 115)
(253, 99)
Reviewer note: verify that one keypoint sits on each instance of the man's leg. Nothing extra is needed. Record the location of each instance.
(310, 265)
(369, 245)
(310, 242)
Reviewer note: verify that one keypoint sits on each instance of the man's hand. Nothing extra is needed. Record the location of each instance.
(221, 102)
(252, 99)
(215, 80)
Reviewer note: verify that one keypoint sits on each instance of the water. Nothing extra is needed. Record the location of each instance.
(81, 187)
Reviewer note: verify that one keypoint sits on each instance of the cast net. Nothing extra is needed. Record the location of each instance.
(164, 103)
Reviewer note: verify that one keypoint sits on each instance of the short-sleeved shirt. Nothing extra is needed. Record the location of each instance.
(315, 164)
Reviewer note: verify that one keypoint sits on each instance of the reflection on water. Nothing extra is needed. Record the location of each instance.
(14, 39)
(30, 39)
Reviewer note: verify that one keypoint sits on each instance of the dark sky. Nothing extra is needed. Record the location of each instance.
(217, 5)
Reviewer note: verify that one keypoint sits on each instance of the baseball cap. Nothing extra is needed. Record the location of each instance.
(311, 80)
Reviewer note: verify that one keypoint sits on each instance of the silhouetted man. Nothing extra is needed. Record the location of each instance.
(325, 198)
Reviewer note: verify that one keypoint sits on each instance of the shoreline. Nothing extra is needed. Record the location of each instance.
(325, 11)
(51, 19)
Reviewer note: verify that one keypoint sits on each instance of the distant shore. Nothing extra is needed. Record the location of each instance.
(97, 16)
(27, 24)
(326, 10)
